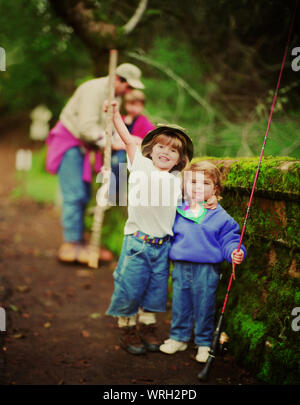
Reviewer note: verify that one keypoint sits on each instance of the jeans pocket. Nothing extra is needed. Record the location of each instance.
(134, 247)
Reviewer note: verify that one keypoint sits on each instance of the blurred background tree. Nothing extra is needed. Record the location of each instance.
(208, 66)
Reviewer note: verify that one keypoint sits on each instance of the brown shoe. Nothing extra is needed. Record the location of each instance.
(83, 254)
(149, 337)
(68, 252)
(131, 341)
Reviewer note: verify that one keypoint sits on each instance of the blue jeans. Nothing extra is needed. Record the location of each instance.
(141, 278)
(194, 296)
(76, 193)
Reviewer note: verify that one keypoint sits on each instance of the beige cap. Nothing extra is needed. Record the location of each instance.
(132, 74)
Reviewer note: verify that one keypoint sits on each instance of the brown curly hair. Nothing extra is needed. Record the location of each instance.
(175, 140)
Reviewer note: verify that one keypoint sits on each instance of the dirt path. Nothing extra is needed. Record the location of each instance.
(57, 331)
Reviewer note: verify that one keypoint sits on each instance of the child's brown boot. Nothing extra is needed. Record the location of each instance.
(131, 341)
(148, 330)
(149, 337)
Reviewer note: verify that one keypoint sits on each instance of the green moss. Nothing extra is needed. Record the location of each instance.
(297, 298)
(264, 294)
(252, 330)
(271, 178)
(264, 373)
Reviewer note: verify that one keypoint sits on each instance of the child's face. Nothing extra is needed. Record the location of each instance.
(199, 186)
(164, 157)
(134, 108)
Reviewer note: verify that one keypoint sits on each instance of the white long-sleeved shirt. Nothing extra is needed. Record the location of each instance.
(152, 197)
(83, 114)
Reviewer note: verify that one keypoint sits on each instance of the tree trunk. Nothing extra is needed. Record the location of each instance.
(99, 37)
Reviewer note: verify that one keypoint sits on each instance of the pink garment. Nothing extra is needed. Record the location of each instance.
(141, 126)
(58, 142)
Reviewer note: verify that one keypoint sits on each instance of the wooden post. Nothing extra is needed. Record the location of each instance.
(95, 241)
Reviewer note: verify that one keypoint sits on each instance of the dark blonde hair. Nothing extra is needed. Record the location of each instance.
(175, 140)
(135, 95)
(210, 170)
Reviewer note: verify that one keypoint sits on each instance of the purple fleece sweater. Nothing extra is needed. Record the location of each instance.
(211, 241)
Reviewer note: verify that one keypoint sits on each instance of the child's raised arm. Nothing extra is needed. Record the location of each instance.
(127, 138)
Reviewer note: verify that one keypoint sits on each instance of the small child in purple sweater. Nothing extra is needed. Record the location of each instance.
(202, 240)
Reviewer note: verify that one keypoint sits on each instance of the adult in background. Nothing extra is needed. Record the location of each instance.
(80, 130)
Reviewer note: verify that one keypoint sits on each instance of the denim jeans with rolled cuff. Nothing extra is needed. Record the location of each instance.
(140, 278)
(193, 305)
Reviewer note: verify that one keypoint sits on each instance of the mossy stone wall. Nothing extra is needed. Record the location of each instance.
(258, 315)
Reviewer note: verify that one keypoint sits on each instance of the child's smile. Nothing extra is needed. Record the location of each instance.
(164, 157)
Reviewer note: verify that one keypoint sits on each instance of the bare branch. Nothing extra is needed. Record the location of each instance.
(135, 19)
(79, 16)
(182, 83)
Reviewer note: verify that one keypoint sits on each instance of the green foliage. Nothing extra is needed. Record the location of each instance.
(113, 228)
(213, 134)
(249, 329)
(41, 55)
(46, 61)
(37, 183)
(297, 298)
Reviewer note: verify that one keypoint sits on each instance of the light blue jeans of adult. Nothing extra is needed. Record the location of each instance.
(193, 304)
(76, 193)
